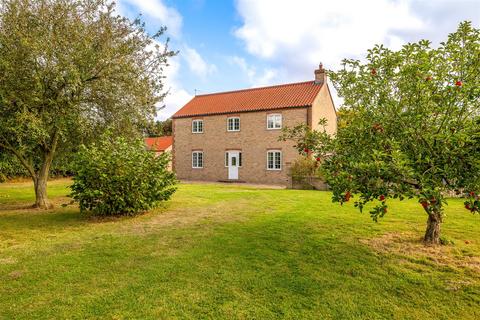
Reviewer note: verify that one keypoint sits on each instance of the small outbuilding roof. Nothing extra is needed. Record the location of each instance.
(159, 143)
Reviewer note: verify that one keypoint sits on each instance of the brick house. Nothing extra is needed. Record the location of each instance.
(233, 135)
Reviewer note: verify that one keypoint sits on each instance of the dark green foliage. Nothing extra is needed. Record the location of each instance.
(159, 128)
(10, 167)
(120, 177)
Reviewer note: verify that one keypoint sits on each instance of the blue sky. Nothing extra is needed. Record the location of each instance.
(228, 45)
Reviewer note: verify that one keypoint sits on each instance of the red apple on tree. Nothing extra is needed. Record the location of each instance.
(348, 195)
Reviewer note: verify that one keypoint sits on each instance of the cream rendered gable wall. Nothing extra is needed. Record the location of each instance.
(323, 107)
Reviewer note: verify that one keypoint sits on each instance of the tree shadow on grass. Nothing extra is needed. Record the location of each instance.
(20, 216)
(20, 219)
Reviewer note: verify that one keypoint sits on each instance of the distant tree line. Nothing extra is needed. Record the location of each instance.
(159, 128)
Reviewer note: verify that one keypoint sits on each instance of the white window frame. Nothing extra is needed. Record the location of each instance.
(274, 152)
(233, 124)
(195, 125)
(195, 162)
(275, 117)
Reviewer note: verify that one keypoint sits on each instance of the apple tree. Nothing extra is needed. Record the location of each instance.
(413, 130)
(69, 69)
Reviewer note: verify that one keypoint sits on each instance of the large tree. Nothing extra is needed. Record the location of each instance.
(68, 70)
(412, 130)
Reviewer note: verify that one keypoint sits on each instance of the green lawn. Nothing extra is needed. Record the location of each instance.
(233, 252)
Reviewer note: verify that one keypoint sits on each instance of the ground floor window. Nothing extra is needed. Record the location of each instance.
(197, 159)
(274, 160)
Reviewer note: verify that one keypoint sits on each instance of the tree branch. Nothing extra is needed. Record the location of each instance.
(24, 162)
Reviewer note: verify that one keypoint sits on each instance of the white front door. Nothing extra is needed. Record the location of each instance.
(233, 163)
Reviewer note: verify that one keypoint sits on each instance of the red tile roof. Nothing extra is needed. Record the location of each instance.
(158, 143)
(299, 94)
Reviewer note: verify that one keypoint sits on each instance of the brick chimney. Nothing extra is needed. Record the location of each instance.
(320, 75)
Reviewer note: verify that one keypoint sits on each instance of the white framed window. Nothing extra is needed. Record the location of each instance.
(239, 159)
(274, 121)
(197, 159)
(197, 126)
(233, 124)
(274, 160)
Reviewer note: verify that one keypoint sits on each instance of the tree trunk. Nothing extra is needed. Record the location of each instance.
(41, 199)
(432, 234)
(39, 178)
(40, 183)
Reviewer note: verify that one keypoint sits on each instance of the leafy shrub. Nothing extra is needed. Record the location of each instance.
(305, 167)
(120, 177)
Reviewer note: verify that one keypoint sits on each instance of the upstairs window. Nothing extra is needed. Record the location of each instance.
(274, 121)
(197, 126)
(197, 159)
(233, 124)
(274, 160)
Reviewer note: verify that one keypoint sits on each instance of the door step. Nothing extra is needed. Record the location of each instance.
(232, 181)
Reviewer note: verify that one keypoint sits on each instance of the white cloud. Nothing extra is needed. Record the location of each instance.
(266, 77)
(158, 10)
(177, 95)
(294, 36)
(248, 70)
(196, 63)
(298, 35)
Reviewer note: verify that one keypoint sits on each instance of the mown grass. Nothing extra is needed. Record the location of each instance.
(232, 252)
